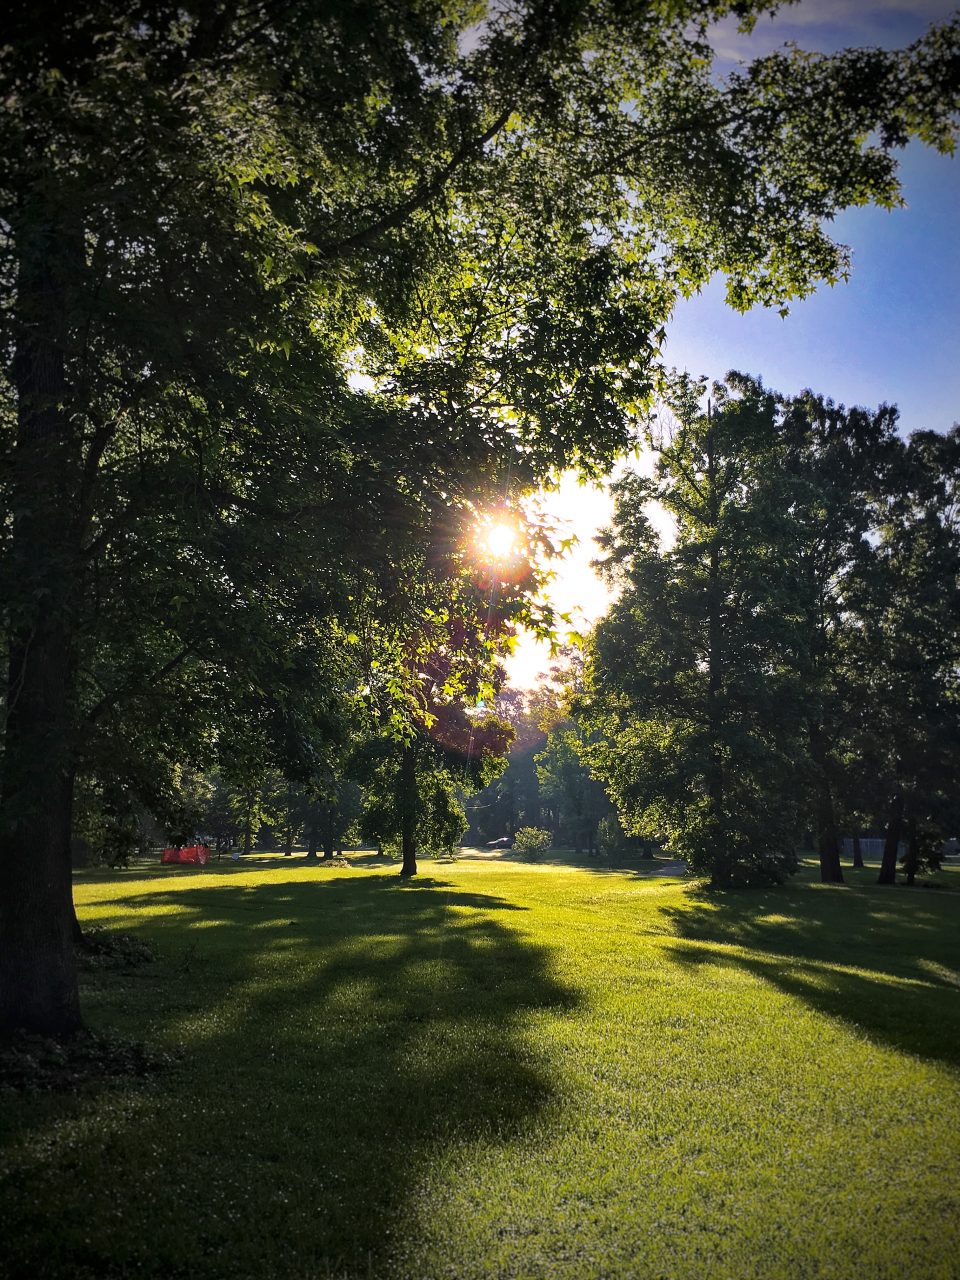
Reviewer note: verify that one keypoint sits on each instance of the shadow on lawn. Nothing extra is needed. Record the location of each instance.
(340, 1037)
(886, 963)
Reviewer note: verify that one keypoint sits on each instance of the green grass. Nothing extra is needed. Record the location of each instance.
(505, 1070)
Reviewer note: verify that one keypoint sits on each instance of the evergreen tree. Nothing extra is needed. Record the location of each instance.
(692, 697)
(910, 619)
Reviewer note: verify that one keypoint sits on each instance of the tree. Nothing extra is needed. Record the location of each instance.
(448, 748)
(212, 215)
(834, 457)
(910, 635)
(578, 801)
(511, 800)
(327, 808)
(575, 799)
(692, 699)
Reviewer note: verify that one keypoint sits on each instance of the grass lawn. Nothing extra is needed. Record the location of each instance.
(505, 1070)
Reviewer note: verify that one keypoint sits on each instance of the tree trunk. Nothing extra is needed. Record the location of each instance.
(912, 861)
(288, 842)
(312, 841)
(76, 928)
(38, 925)
(828, 848)
(857, 851)
(38, 980)
(408, 810)
(888, 864)
(248, 831)
(828, 838)
(328, 834)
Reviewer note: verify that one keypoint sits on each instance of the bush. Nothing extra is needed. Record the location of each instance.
(532, 841)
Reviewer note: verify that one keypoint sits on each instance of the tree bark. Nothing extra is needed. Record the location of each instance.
(888, 864)
(408, 810)
(828, 838)
(38, 980)
(858, 850)
(912, 861)
(328, 837)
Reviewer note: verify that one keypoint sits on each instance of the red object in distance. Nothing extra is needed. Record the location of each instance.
(194, 855)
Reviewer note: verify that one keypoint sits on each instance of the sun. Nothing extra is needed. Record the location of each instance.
(499, 540)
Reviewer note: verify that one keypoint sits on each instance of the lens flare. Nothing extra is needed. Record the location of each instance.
(499, 540)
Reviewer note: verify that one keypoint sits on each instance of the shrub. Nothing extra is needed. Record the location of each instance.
(532, 841)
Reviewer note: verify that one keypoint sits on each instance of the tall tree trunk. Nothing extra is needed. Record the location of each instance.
(248, 829)
(857, 851)
(409, 807)
(288, 829)
(38, 980)
(891, 845)
(312, 839)
(828, 838)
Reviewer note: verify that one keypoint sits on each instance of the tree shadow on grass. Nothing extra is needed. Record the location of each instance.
(338, 1041)
(889, 966)
(214, 870)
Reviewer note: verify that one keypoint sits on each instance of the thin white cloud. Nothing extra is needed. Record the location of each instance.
(854, 13)
(827, 25)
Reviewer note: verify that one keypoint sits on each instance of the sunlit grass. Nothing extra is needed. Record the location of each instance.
(507, 1070)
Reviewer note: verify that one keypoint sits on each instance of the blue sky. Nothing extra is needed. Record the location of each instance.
(892, 334)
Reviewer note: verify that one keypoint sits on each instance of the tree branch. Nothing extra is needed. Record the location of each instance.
(110, 700)
(427, 192)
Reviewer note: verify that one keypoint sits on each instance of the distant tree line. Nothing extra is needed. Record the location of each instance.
(547, 782)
